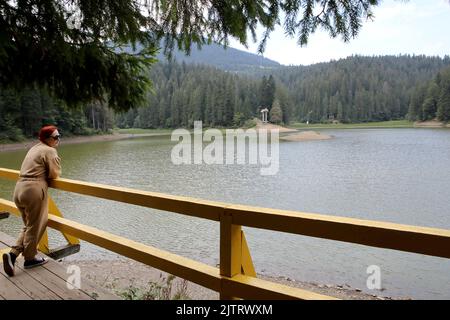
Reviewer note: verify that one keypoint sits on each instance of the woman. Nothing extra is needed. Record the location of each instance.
(30, 196)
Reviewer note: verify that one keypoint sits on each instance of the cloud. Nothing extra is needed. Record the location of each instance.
(414, 27)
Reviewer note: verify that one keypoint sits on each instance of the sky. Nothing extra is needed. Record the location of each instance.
(399, 27)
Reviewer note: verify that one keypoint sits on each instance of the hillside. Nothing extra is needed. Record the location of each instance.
(228, 59)
(351, 90)
(355, 89)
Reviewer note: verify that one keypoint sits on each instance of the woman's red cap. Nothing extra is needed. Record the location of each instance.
(46, 132)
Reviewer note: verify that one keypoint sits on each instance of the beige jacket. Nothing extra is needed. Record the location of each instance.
(41, 162)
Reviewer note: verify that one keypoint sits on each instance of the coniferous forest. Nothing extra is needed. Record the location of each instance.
(355, 89)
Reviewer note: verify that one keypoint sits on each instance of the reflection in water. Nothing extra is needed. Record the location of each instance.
(398, 175)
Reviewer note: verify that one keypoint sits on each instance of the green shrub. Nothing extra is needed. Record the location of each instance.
(162, 290)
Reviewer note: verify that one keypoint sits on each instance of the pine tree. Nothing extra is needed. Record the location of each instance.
(267, 91)
(81, 51)
(416, 102)
(276, 115)
(443, 105)
(429, 106)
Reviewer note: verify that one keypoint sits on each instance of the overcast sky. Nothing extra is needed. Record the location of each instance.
(414, 27)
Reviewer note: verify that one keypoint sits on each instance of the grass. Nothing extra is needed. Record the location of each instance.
(162, 290)
(381, 124)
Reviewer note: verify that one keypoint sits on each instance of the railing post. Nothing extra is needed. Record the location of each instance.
(230, 250)
(53, 209)
(73, 244)
(247, 266)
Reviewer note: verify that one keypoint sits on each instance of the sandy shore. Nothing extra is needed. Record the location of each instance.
(306, 136)
(431, 124)
(269, 127)
(74, 140)
(120, 275)
(288, 134)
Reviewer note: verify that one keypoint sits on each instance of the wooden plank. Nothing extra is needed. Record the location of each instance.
(230, 247)
(31, 286)
(52, 282)
(10, 206)
(53, 209)
(423, 240)
(185, 205)
(64, 251)
(429, 241)
(4, 215)
(9, 174)
(88, 288)
(9, 291)
(230, 250)
(28, 284)
(194, 271)
(257, 289)
(191, 270)
(6, 239)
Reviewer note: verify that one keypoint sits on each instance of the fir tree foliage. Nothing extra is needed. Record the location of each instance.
(75, 49)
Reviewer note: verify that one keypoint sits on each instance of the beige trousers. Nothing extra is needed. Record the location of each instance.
(30, 197)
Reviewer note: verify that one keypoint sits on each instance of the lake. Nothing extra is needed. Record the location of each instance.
(395, 175)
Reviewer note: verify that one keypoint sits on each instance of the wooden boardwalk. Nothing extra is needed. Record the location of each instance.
(47, 282)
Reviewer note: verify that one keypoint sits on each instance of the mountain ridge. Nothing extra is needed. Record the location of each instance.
(229, 58)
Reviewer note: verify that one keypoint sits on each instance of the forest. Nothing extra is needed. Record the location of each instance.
(355, 89)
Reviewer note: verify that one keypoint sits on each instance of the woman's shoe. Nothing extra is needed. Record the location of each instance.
(28, 264)
(9, 259)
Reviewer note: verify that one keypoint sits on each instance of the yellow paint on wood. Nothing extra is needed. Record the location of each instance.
(2, 251)
(179, 266)
(53, 209)
(248, 268)
(257, 289)
(234, 254)
(230, 247)
(230, 250)
(430, 241)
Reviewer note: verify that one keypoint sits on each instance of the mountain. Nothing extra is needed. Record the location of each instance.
(229, 59)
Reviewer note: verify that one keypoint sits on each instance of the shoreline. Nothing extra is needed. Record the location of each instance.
(8, 147)
(290, 132)
(306, 136)
(125, 276)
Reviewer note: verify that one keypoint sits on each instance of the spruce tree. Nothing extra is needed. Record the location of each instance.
(429, 106)
(276, 115)
(89, 50)
(443, 104)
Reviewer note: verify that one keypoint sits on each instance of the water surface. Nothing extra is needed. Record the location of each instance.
(396, 175)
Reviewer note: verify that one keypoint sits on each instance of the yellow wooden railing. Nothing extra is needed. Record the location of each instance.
(236, 277)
